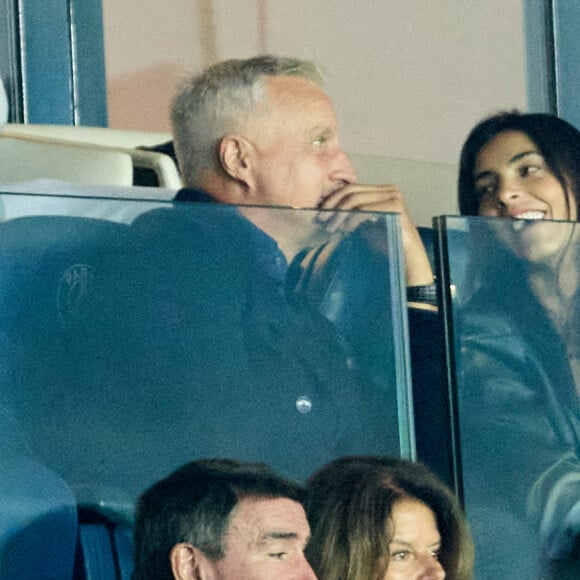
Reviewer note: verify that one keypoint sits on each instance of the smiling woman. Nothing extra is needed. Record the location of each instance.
(513, 149)
(525, 167)
(519, 350)
(512, 179)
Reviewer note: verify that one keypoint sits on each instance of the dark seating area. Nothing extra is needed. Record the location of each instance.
(131, 349)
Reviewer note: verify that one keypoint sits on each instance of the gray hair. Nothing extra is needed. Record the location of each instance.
(208, 106)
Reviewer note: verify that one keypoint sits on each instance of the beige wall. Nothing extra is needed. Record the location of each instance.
(409, 77)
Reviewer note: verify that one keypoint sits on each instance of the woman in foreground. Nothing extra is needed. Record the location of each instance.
(379, 518)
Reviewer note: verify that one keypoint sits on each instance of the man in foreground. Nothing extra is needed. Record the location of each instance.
(216, 336)
(221, 519)
(261, 131)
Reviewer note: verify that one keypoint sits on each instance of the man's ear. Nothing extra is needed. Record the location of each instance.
(235, 158)
(189, 563)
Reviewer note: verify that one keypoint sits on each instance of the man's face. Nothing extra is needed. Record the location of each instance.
(265, 540)
(296, 154)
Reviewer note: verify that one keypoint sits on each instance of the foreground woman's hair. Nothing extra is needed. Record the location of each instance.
(349, 504)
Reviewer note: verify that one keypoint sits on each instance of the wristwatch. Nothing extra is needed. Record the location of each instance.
(426, 293)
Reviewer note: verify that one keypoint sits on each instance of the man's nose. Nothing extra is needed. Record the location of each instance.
(305, 571)
(343, 169)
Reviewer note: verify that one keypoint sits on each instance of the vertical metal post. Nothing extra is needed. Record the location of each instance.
(52, 61)
(540, 56)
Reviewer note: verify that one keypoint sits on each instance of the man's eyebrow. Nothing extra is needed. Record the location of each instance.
(514, 159)
(278, 535)
(267, 537)
(323, 130)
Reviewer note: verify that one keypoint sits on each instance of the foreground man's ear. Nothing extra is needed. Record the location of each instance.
(234, 155)
(189, 563)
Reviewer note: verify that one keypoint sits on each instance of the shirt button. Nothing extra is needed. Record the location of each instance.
(350, 363)
(303, 405)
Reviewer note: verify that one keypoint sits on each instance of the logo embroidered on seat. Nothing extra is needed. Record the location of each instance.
(72, 292)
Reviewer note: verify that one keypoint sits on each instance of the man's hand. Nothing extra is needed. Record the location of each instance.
(378, 198)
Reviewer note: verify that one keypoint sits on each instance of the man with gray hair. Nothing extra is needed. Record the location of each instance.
(261, 131)
(228, 338)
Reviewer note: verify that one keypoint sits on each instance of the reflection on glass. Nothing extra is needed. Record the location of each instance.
(168, 332)
(516, 340)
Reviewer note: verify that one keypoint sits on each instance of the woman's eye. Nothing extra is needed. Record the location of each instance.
(485, 191)
(401, 555)
(435, 554)
(526, 170)
(277, 555)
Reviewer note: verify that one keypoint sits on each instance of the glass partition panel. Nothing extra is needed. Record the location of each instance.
(512, 307)
(139, 335)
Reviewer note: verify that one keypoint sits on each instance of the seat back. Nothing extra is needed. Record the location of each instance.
(91, 135)
(149, 167)
(132, 350)
(25, 160)
(38, 518)
(48, 264)
(105, 550)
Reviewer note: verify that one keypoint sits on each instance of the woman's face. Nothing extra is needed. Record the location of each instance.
(414, 548)
(512, 179)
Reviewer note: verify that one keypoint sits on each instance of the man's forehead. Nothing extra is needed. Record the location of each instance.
(294, 90)
(265, 517)
(285, 83)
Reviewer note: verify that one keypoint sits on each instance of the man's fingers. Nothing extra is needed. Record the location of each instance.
(361, 198)
(365, 198)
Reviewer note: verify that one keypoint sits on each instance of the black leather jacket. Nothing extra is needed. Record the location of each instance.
(519, 424)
